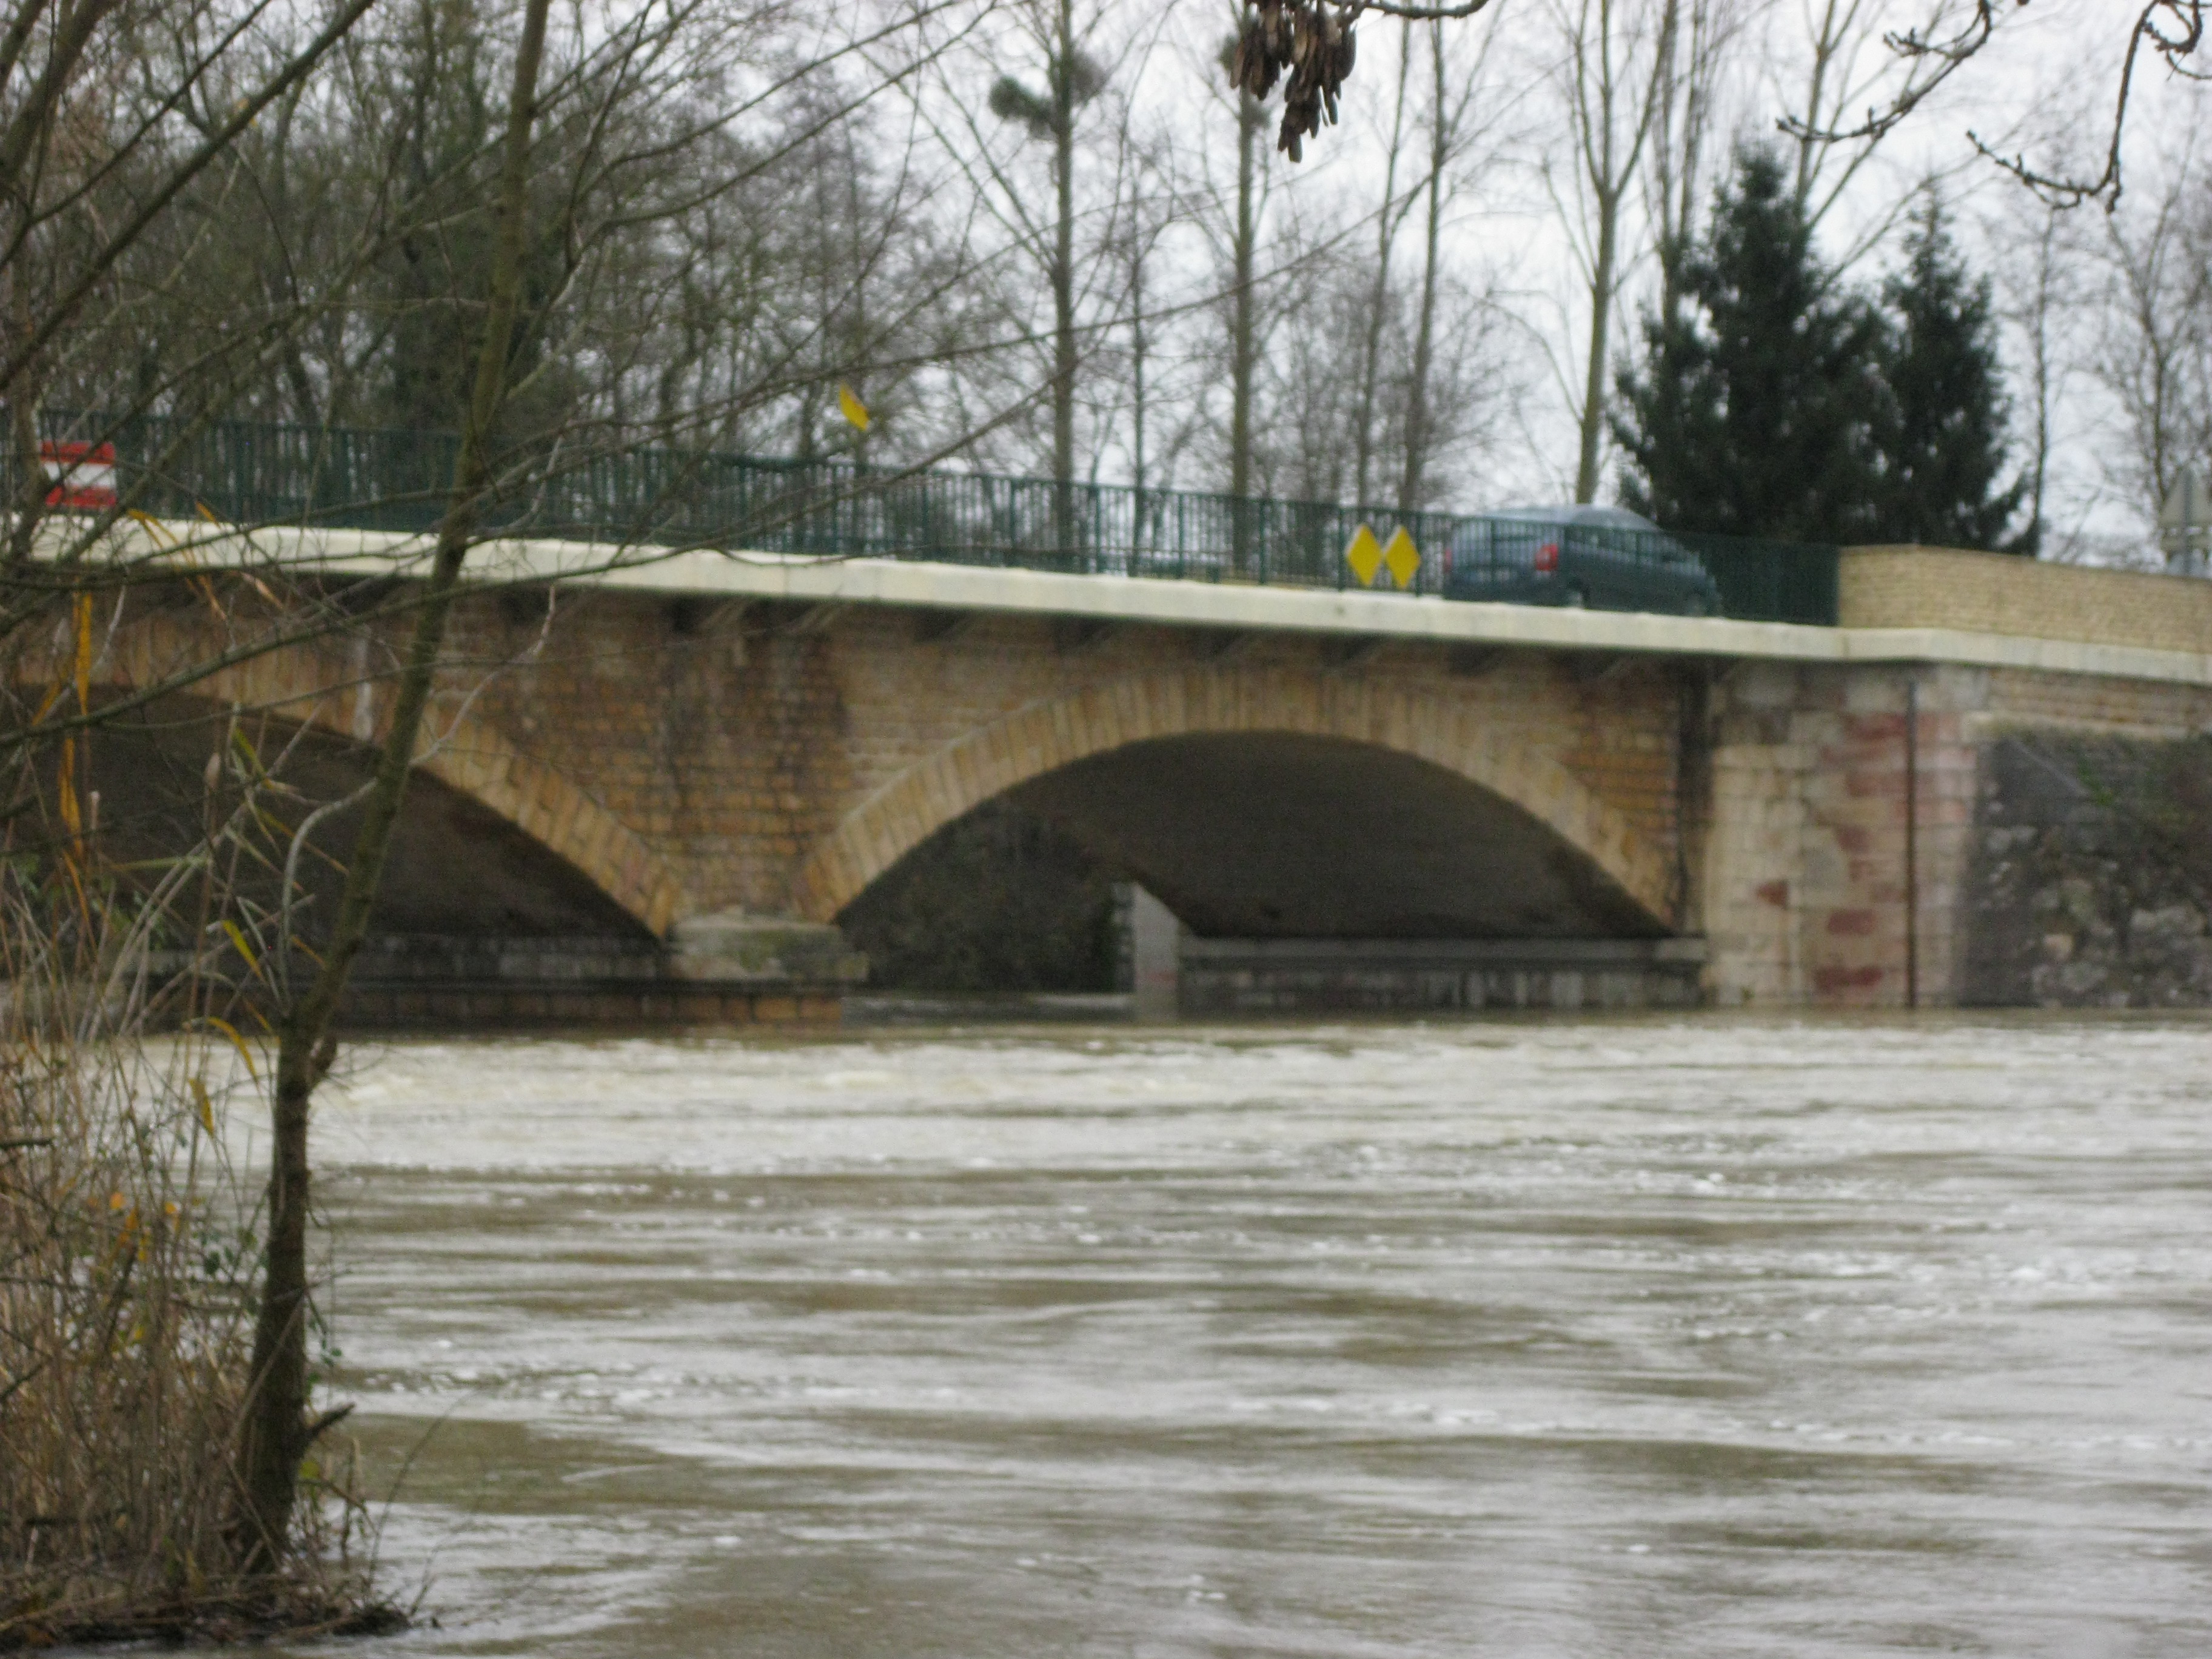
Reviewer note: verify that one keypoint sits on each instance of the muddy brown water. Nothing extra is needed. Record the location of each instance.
(1577, 1337)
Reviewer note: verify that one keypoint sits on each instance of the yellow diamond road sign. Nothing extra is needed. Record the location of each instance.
(1402, 556)
(1365, 555)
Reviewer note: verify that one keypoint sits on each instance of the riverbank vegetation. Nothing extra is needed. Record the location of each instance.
(129, 1268)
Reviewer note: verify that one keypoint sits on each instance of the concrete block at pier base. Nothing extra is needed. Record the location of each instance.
(733, 947)
(1288, 975)
(719, 970)
(1155, 957)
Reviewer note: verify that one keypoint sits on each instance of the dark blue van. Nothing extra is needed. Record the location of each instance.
(1605, 557)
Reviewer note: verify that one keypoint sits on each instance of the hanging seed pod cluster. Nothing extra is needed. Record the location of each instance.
(1306, 45)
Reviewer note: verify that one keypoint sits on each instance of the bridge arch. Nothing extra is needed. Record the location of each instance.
(1405, 722)
(471, 758)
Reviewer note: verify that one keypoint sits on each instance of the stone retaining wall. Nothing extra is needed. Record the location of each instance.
(2090, 883)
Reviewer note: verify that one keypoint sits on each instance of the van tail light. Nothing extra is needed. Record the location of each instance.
(1547, 557)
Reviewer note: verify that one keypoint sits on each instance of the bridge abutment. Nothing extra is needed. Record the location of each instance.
(1837, 832)
(1871, 828)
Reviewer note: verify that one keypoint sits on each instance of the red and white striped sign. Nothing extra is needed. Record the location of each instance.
(83, 475)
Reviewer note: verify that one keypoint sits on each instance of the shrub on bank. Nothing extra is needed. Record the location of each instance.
(128, 1265)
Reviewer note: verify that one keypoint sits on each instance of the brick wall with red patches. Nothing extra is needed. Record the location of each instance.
(1804, 888)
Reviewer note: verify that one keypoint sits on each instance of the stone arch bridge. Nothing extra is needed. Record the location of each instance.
(653, 790)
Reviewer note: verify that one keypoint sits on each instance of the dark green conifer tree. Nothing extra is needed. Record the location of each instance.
(1757, 406)
(1944, 445)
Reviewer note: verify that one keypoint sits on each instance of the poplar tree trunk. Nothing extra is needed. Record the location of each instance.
(1139, 345)
(1609, 159)
(1386, 230)
(1244, 351)
(276, 1431)
(1603, 281)
(1063, 287)
(1419, 420)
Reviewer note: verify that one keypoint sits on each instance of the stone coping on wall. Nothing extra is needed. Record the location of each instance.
(1950, 588)
(1901, 605)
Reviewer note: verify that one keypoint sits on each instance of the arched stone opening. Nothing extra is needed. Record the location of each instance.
(458, 868)
(472, 759)
(1270, 803)
(1286, 836)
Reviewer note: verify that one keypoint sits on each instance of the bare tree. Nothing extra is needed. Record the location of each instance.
(1420, 423)
(1154, 211)
(1847, 65)
(1072, 79)
(1619, 62)
(91, 160)
(1689, 91)
(1244, 304)
(1955, 34)
(2038, 280)
(277, 1430)
(1390, 216)
(525, 236)
(2154, 357)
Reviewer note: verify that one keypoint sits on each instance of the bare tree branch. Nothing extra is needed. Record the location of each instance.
(2173, 30)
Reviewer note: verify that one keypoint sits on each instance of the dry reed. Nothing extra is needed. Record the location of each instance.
(129, 1258)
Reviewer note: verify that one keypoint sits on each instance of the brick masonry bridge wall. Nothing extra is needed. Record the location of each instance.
(681, 757)
(781, 758)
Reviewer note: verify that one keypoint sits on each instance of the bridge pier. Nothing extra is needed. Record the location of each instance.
(1835, 837)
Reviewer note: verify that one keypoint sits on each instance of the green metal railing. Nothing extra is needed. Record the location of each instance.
(246, 472)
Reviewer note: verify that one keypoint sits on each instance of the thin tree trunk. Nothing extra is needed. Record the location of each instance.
(1827, 42)
(1608, 160)
(1418, 419)
(1244, 349)
(275, 1433)
(1603, 283)
(279, 286)
(1063, 285)
(28, 509)
(1386, 233)
(1683, 98)
(2040, 379)
(1140, 346)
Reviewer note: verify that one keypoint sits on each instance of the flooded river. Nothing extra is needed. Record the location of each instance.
(1579, 1338)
